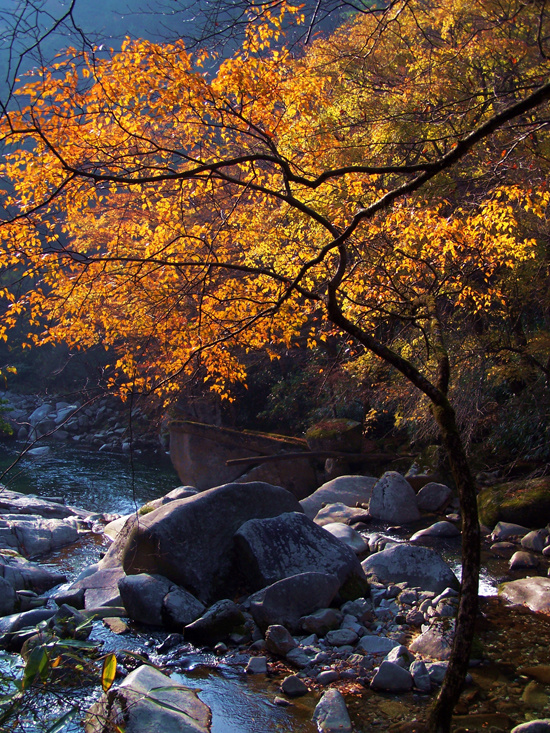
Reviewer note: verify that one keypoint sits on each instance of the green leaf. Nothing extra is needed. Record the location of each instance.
(109, 672)
(37, 663)
(59, 724)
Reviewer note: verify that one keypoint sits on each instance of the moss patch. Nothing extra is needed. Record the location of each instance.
(525, 502)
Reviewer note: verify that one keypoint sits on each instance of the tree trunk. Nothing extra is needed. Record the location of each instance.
(442, 710)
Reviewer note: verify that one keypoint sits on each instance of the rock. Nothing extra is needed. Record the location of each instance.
(435, 642)
(348, 536)
(336, 434)
(148, 700)
(22, 574)
(525, 502)
(347, 490)
(420, 675)
(321, 621)
(156, 601)
(393, 500)
(400, 655)
(293, 686)
(534, 695)
(531, 592)
(521, 560)
(114, 528)
(437, 671)
(504, 530)
(540, 673)
(533, 726)
(286, 601)
(95, 590)
(33, 535)
(372, 644)
(502, 549)
(535, 540)
(341, 637)
(331, 714)
(12, 626)
(298, 657)
(190, 541)
(392, 677)
(256, 665)
(433, 497)
(439, 529)
(278, 640)
(327, 676)
(217, 624)
(291, 544)
(7, 598)
(340, 513)
(416, 565)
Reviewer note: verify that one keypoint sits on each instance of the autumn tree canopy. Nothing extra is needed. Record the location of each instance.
(389, 183)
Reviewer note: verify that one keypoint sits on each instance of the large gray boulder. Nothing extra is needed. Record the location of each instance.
(148, 700)
(33, 535)
(276, 548)
(394, 500)
(433, 497)
(349, 490)
(284, 603)
(190, 541)
(414, 564)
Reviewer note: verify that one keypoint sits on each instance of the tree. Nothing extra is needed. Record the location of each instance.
(374, 186)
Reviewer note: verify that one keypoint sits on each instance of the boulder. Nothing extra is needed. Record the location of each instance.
(433, 497)
(14, 626)
(8, 598)
(391, 677)
(521, 560)
(505, 530)
(533, 726)
(286, 601)
(22, 574)
(421, 676)
(535, 540)
(416, 565)
(190, 541)
(279, 640)
(148, 700)
(156, 601)
(32, 535)
(293, 686)
(525, 502)
(435, 642)
(217, 624)
(94, 591)
(331, 714)
(279, 547)
(372, 644)
(348, 490)
(531, 592)
(348, 536)
(321, 621)
(393, 500)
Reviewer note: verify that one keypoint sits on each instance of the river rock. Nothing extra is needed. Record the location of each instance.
(287, 600)
(156, 601)
(321, 621)
(420, 675)
(293, 686)
(8, 598)
(190, 541)
(279, 640)
(290, 544)
(148, 700)
(13, 502)
(433, 497)
(372, 644)
(94, 591)
(391, 677)
(505, 530)
(520, 560)
(531, 592)
(348, 490)
(435, 642)
(439, 529)
(331, 714)
(16, 628)
(393, 500)
(400, 655)
(339, 512)
(217, 624)
(348, 536)
(416, 565)
(22, 574)
(533, 726)
(341, 637)
(32, 535)
(535, 540)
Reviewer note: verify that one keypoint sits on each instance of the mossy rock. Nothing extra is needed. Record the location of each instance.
(335, 435)
(525, 502)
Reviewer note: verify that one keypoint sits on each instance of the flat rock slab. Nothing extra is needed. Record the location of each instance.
(531, 592)
(148, 700)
